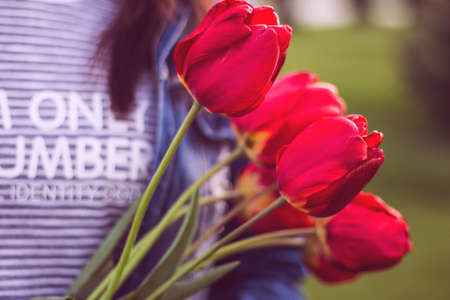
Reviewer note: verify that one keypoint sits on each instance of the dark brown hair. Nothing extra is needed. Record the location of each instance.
(127, 46)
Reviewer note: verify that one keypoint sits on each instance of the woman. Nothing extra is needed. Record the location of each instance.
(80, 140)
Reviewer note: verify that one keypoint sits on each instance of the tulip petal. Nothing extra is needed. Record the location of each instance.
(360, 122)
(341, 192)
(230, 61)
(374, 139)
(277, 103)
(314, 104)
(368, 235)
(180, 52)
(330, 272)
(293, 103)
(252, 180)
(284, 36)
(228, 29)
(320, 155)
(255, 57)
(284, 217)
(264, 15)
(183, 47)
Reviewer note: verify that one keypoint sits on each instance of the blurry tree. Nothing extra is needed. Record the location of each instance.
(416, 6)
(428, 59)
(362, 8)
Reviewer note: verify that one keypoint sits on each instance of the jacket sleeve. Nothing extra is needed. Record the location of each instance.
(264, 274)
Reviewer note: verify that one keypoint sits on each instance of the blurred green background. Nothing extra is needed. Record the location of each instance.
(366, 64)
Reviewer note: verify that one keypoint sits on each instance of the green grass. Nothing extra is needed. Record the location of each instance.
(366, 65)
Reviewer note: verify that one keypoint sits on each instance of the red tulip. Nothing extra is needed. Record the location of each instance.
(319, 261)
(254, 179)
(294, 102)
(367, 235)
(231, 59)
(328, 164)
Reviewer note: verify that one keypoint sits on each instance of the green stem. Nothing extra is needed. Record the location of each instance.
(101, 262)
(140, 249)
(230, 215)
(144, 244)
(244, 245)
(147, 196)
(283, 233)
(191, 265)
(209, 200)
(275, 238)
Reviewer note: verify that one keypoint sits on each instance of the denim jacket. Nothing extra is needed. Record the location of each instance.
(263, 274)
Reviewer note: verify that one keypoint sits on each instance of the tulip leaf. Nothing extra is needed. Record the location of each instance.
(174, 255)
(184, 289)
(100, 263)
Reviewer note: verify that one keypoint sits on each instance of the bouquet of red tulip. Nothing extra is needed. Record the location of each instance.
(309, 163)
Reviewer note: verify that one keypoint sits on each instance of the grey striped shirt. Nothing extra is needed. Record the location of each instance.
(68, 168)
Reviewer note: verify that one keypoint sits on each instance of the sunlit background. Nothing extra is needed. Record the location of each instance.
(390, 60)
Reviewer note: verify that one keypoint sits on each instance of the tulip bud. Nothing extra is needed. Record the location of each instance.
(231, 59)
(328, 164)
(254, 179)
(294, 102)
(367, 235)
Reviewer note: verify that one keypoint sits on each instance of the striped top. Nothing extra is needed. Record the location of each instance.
(68, 168)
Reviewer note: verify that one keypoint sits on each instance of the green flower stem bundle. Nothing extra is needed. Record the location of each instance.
(229, 216)
(168, 219)
(191, 265)
(288, 237)
(147, 196)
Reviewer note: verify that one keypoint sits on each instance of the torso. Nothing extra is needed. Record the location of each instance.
(68, 168)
